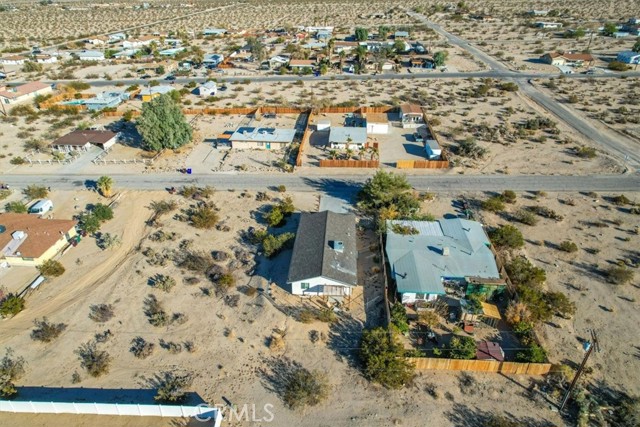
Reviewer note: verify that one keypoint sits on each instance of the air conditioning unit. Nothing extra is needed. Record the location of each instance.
(338, 246)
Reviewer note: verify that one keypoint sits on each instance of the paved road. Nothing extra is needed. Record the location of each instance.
(338, 184)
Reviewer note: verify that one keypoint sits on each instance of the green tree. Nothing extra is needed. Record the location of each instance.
(16, 207)
(399, 317)
(162, 125)
(439, 58)
(105, 185)
(362, 34)
(51, 268)
(493, 204)
(36, 192)
(399, 46)
(383, 32)
(102, 212)
(383, 361)
(30, 67)
(256, 48)
(609, 28)
(463, 348)
(89, 223)
(274, 217)
(11, 370)
(386, 189)
(507, 236)
(11, 305)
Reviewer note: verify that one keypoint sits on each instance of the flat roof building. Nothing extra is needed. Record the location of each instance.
(262, 138)
(341, 137)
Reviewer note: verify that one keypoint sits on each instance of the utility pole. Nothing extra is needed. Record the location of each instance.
(591, 345)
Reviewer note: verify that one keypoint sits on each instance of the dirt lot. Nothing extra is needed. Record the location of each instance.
(234, 365)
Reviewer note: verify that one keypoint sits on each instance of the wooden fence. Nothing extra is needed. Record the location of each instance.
(422, 164)
(65, 96)
(305, 138)
(361, 110)
(428, 363)
(328, 163)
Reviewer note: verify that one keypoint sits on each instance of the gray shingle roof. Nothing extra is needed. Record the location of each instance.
(313, 253)
(418, 261)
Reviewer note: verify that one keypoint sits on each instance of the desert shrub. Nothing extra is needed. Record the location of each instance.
(272, 245)
(619, 275)
(203, 217)
(586, 152)
(163, 207)
(95, 362)
(154, 310)
(274, 216)
(108, 241)
(18, 160)
(11, 370)
(399, 317)
(533, 354)
(621, 200)
(522, 272)
(45, 331)
(36, 192)
(560, 304)
(276, 342)
(163, 282)
(326, 315)
(171, 387)
(493, 204)
(102, 212)
(617, 66)
(192, 260)
(429, 318)
(16, 207)
(11, 305)
(568, 246)
(508, 196)
(190, 346)
(305, 388)
(463, 348)
(546, 212)
(536, 302)
(525, 217)
(191, 191)
(306, 316)
(382, 359)
(4, 194)
(509, 87)
(101, 313)
(51, 268)
(507, 236)
(470, 148)
(517, 312)
(282, 188)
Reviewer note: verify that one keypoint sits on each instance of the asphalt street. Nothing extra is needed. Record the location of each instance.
(338, 184)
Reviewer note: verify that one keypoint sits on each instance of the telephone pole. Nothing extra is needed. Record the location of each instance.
(590, 346)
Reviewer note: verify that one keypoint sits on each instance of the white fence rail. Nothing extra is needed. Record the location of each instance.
(202, 412)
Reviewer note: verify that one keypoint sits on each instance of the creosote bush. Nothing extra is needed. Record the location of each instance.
(45, 331)
(305, 388)
(95, 362)
(51, 268)
(101, 313)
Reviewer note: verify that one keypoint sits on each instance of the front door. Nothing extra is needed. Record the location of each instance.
(268, 146)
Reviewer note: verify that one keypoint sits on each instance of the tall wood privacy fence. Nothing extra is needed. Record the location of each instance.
(349, 163)
(428, 363)
(361, 110)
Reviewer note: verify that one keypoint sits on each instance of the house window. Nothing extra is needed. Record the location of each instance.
(304, 286)
(421, 296)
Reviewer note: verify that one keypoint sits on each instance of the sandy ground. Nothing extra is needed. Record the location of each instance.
(232, 361)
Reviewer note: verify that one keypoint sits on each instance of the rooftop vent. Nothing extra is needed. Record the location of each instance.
(338, 246)
(445, 251)
(18, 235)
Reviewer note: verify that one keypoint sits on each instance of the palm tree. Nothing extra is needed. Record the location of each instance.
(342, 55)
(361, 152)
(349, 153)
(333, 154)
(105, 185)
(375, 152)
(361, 56)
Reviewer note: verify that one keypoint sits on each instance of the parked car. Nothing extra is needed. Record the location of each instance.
(170, 77)
(146, 76)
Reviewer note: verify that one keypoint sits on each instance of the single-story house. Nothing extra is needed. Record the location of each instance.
(538, 12)
(213, 59)
(314, 45)
(323, 34)
(351, 137)
(278, 61)
(149, 93)
(97, 40)
(90, 55)
(25, 92)
(139, 42)
(214, 32)
(45, 59)
(344, 46)
(388, 65)
(263, 138)
(105, 100)
(172, 42)
(299, 64)
(325, 255)
(13, 60)
(578, 59)
(172, 52)
(126, 53)
(489, 350)
(207, 89)
(117, 37)
(435, 251)
(549, 25)
(377, 123)
(629, 57)
(81, 140)
(400, 34)
(620, 34)
(411, 115)
(28, 240)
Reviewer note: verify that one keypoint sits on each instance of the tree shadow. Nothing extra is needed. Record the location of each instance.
(465, 416)
(276, 373)
(346, 190)
(344, 339)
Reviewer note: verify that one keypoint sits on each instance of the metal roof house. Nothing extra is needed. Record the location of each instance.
(325, 255)
(262, 138)
(354, 137)
(446, 249)
(629, 57)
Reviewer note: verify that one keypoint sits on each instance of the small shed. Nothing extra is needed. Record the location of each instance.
(323, 124)
(377, 123)
(489, 350)
(490, 314)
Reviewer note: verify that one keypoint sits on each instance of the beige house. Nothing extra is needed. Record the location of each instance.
(577, 59)
(81, 140)
(28, 240)
(262, 138)
(25, 92)
(411, 115)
